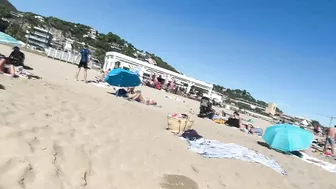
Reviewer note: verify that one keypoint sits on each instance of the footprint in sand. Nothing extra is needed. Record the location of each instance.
(178, 182)
(74, 165)
(14, 173)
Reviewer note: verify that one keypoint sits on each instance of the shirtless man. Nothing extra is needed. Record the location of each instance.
(330, 139)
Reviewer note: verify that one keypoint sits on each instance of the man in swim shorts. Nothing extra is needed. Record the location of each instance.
(330, 138)
(83, 62)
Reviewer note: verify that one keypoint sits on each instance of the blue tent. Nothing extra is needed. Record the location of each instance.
(122, 78)
(287, 138)
(7, 39)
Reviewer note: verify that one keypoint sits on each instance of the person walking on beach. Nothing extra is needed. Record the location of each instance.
(84, 53)
(330, 138)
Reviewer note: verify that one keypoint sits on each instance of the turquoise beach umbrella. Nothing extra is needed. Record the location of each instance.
(122, 78)
(7, 39)
(287, 138)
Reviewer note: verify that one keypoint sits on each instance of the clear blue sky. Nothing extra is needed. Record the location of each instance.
(280, 51)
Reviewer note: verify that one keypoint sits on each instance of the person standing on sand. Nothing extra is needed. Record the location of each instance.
(330, 138)
(84, 53)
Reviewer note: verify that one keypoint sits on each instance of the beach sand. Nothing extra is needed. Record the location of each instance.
(59, 133)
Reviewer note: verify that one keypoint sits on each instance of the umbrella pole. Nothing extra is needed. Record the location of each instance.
(331, 120)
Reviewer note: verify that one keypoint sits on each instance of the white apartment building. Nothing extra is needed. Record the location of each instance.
(39, 37)
(40, 18)
(151, 61)
(92, 33)
(116, 46)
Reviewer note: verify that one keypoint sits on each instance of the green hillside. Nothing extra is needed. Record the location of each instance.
(7, 4)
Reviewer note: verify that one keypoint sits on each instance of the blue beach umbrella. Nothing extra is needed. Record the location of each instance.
(7, 39)
(122, 78)
(287, 138)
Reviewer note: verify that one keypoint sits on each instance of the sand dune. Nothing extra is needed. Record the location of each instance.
(61, 134)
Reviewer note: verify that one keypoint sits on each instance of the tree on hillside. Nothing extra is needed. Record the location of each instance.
(113, 38)
(5, 11)
(315, 122)
(219, 89)
(7, 5)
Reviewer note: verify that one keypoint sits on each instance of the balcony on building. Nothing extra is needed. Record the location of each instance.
(39, 37)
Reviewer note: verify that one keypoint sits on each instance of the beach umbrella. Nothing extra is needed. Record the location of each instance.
(122, 78)
(7, 39)
(287, 138)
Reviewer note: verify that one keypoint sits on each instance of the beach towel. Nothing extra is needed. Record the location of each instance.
(215, 149)
(325, 165)
(156, 105)
(22, 73)
(258, 131)
(103, 85)
(174, 98)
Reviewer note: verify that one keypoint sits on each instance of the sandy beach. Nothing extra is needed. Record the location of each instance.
(59, 133)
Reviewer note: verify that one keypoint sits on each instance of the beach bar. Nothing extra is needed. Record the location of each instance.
(130, 63)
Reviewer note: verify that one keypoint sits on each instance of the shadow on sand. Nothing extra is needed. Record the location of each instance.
(178, 182)
(2, 87)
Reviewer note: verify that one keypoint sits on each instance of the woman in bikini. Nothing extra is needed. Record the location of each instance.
(139, 98)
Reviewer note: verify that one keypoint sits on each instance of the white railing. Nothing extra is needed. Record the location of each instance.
(69, 57)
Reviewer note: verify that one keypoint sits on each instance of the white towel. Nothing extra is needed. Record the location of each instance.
(215, 149)
(325, 165)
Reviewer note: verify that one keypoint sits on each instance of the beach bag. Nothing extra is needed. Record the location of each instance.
(179, 125)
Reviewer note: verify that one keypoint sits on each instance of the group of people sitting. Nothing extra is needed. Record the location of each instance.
(159, 83)
(8, 64)
(135, 95)
(235, 121)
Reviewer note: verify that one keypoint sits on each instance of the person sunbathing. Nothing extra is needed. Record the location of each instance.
(250, 129)
(139, 98)
(6, 67)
